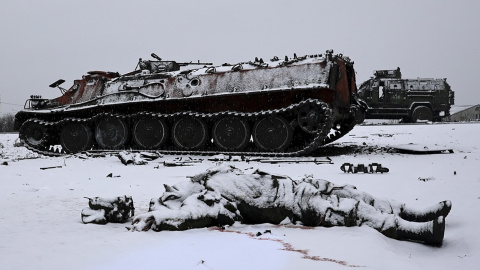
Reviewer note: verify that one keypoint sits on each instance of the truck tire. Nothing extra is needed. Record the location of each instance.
(422, 113)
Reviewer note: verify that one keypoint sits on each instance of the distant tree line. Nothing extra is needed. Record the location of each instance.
(6, 122)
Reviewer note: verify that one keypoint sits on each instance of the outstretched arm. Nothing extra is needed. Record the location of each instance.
(197, 211)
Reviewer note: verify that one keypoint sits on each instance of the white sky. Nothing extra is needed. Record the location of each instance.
(42, 41)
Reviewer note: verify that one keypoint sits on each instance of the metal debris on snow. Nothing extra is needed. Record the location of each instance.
(361, 168)
(425, 179)
(141, 158)
(52, 167)
(179, 161)
(412, 148)
(317, 160)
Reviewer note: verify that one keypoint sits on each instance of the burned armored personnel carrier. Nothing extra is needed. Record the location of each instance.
(390, 97)
(281, 107)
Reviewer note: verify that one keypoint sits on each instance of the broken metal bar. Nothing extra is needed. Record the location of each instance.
(53, 167)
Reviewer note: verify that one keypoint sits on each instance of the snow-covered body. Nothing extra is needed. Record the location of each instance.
(225, 194)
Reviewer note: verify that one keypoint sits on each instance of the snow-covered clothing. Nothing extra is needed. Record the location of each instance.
(225, 194)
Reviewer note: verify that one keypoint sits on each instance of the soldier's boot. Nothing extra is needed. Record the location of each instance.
(430, 233)
(428, 214)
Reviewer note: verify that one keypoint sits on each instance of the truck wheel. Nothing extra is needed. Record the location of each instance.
(422, 113)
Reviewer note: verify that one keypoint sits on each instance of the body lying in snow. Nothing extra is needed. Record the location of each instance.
(224, 194)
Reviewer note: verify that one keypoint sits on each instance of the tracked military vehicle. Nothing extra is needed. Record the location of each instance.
(281, 107)
(390, 97)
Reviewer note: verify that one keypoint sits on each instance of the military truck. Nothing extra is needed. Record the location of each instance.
(388, 96)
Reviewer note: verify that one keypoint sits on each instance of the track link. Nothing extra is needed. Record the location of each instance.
(315, 140)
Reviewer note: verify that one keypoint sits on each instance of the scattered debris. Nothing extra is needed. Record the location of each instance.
(81, 156)
(29, 156)
(222, 157)
(176, 163)
(425, 179)
(130, 158)
(179, 161)
(150, 155)
(141, 158)
(317, 161)
(112, 176)
(53, 167)
(253, 159)
(382, 135)
(371, 168)
(412, 148)
(96, 155)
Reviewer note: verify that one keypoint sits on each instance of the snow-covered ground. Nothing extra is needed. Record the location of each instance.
(40, 225)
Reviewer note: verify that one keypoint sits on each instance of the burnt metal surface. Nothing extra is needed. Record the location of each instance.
(313, 97)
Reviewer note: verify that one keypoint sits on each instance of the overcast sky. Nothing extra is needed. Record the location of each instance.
(42, 41)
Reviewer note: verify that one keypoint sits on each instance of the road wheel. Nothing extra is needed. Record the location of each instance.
(231, 133)
(272, 133)
(150, 133)
(111, 133)
(76, 137)
(34, 133)
(190, 133)
(422, 113)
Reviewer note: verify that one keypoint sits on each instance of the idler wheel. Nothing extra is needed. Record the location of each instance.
(310, 118)
(272, 133)
(231, 133)
(76, 137)
(150, 133)
(34, 133)
(111, 133)
(190, 133)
